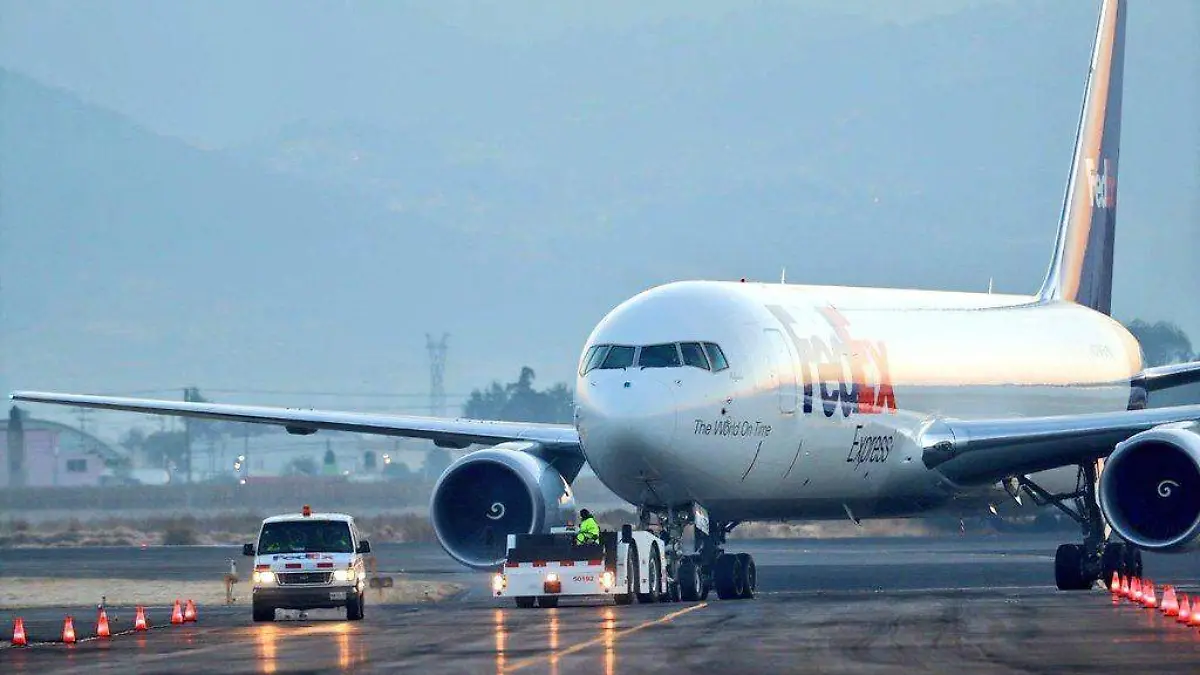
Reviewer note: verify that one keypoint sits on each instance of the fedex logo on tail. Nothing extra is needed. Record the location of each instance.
(848, 373)
(1103, 183)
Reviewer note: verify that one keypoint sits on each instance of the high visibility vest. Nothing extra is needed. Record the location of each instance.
(589, 532)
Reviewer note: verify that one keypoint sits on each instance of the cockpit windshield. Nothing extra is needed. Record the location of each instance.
(702, 355)
(659, 356)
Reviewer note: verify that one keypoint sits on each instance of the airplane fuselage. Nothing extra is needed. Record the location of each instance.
(827, 389)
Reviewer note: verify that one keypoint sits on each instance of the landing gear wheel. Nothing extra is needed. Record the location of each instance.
(749, 575)
(728, 577)
(356, 607)
(548, 601)
(690, 585)
(1133, 561)
(654, 578)
(263, 612)
(1068, 568)
(525, 602)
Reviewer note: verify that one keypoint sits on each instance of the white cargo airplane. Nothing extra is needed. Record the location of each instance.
(710, 403)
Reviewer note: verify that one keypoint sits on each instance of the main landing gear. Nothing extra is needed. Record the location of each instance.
(1078, 566)
(691, 576)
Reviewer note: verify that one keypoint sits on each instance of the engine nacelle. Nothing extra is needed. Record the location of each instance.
(1150, 488)
(489, 494)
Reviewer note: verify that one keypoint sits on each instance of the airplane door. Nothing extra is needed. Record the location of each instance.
(782, 370)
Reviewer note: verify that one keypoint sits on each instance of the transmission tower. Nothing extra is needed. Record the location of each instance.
(437, 373)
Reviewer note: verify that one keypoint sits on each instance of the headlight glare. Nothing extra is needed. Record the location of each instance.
(343, 575)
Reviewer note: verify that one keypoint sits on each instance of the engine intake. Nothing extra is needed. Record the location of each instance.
(489, 494)
(1150, 488)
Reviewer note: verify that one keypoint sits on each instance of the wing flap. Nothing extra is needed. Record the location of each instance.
(973, 452)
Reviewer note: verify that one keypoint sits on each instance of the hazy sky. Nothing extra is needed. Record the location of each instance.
(231, 75)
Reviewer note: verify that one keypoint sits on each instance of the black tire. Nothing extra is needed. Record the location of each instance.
(727, 577)
(356, 607)
(548, 601)
(1133, 561)
(655, 578)
(690, 585)
(263, 612)
(1112, 561)
(749, 575)
(631, 580)
(1068, 568)
(525, 601)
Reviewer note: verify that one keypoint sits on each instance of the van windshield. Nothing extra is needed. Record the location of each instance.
(305, 536)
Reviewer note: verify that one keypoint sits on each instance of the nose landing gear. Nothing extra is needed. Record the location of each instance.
(691, 576)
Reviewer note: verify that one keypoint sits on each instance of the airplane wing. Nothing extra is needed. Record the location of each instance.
(1165, 377)
(973, 452)
(447, 433)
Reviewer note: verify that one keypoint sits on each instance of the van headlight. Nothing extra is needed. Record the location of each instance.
(343, 575)
(264, 577)
(606, 579)
(498, 583)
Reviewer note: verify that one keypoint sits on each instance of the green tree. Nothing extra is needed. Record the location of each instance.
(1162, 342)
(520, 402)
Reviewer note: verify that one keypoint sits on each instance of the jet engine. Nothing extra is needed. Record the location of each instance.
(1150, 488)
(489, 494)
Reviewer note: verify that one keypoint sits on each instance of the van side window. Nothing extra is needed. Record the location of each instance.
(693, 355)
(716, 356)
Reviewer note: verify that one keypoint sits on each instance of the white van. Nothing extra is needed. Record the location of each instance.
(308, 561)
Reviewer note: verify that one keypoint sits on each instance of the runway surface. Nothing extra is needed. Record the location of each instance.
(954, 605)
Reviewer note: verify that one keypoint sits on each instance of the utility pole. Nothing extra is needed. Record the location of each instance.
(437, 372)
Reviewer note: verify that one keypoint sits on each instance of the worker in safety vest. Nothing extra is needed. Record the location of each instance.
(589, 531)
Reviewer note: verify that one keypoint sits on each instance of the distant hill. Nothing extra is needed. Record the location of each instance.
(528, 192)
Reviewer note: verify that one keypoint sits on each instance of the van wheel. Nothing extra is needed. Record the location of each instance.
(356, 607)
(525, 602)
(263, 612)
(548, 601)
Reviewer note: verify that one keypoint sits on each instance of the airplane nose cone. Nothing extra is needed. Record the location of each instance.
(627, 429)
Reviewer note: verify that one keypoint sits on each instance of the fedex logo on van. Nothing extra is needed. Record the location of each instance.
(847, 372)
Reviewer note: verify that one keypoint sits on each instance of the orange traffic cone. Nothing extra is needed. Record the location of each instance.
(68, 634)
(1185, 609)
(19, 632)
(177, 613)
(139, 623)
(1114, 586)
(102, 625)
(1135, 590)
(189, 613)
(1125, 592)
(1149, 598)
(1170, 604)
(1194, 617)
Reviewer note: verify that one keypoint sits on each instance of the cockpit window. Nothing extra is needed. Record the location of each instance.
(659, 356)
(693, 355)
(617, 357)
(592, 359)
(716, 356)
